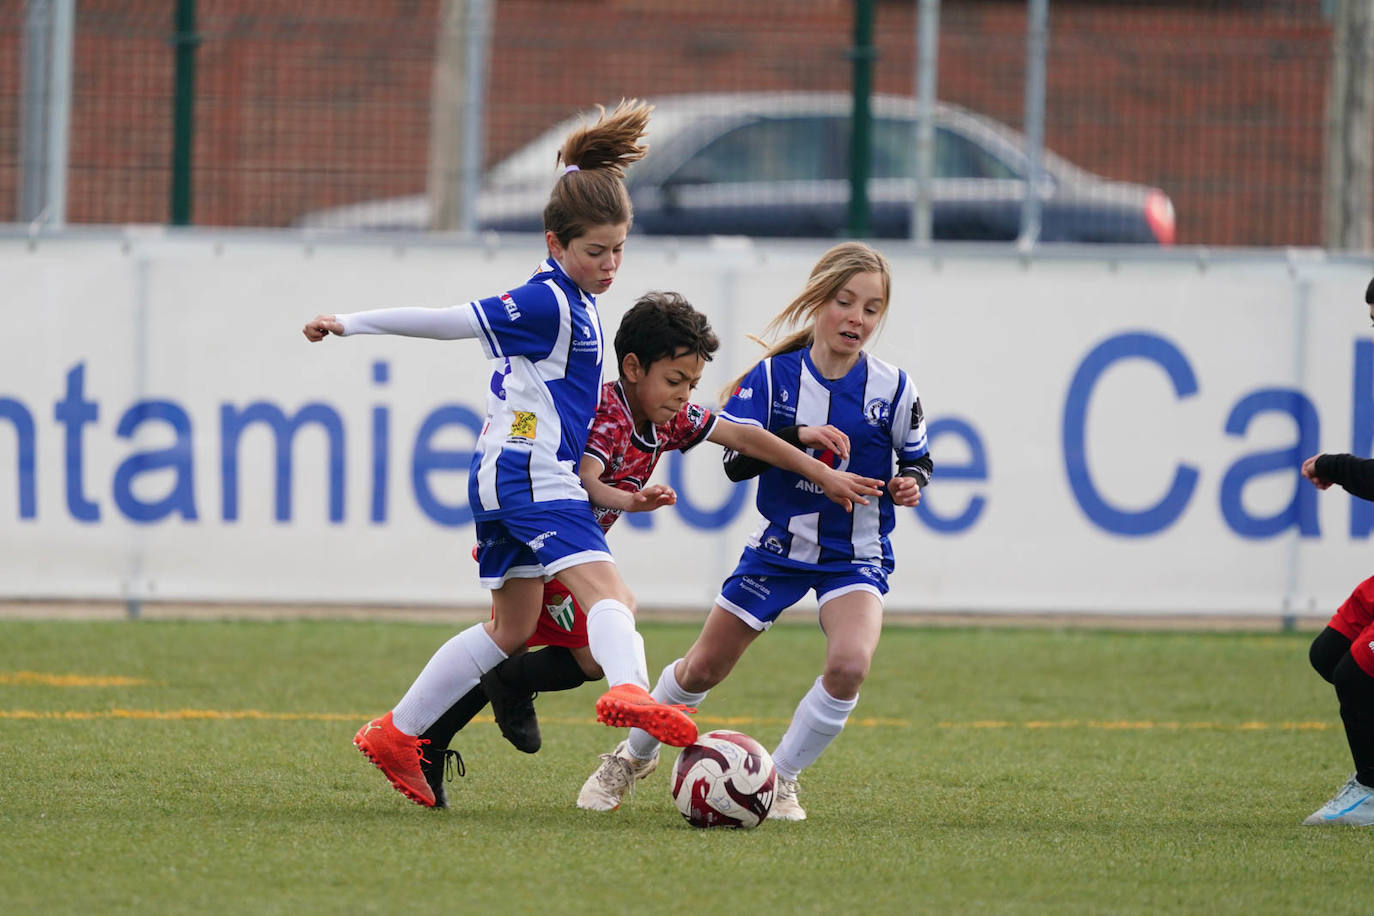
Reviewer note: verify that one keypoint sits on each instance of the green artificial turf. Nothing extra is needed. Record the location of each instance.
(161, 766)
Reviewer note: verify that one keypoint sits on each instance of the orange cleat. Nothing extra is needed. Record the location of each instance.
(631, 706)
(398, 756)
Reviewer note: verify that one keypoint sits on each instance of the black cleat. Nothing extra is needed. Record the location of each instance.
(514, 712)
(445, 763)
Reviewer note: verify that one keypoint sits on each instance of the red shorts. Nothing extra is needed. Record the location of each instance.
(1355, 621)
(561, 621)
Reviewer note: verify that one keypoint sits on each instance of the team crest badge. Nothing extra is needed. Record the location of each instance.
(876, 411)
(562, 613)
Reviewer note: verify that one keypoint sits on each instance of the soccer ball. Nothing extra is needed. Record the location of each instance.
(726, 779)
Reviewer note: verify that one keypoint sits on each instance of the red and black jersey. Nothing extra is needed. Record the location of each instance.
(627, 458)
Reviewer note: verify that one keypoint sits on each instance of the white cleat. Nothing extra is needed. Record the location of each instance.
(785, 804)
(605, 789)
(1353, 805)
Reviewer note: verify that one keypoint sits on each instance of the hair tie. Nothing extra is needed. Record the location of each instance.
(571, 168)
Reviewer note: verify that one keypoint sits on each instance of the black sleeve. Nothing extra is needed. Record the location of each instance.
(741, 467)
(1355, 475)
(922, 469)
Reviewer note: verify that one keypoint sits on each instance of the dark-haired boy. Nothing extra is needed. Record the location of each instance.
(662, 346)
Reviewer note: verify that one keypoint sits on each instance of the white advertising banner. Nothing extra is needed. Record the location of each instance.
(1112, 431)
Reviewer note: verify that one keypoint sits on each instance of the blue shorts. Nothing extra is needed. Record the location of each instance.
(539, 543)
(758, 591)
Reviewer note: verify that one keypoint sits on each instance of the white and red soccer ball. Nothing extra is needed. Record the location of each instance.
(726, 779)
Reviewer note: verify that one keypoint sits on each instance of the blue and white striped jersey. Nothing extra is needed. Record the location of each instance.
(877, 406)
(546, 345)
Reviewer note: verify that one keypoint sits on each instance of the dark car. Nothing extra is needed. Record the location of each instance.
(777, 165)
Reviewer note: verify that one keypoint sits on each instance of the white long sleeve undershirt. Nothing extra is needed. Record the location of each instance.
(454, 322)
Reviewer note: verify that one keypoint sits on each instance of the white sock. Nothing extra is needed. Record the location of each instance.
(615, 645)
(643, 745)
(450, 673)
(818, 719)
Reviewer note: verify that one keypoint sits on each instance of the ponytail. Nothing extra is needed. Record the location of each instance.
(590, 190)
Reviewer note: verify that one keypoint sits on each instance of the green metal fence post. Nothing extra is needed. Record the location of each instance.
(185, 40)
(860, 141)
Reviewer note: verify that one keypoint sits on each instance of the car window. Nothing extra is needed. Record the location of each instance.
(956, 156)
(769, 149)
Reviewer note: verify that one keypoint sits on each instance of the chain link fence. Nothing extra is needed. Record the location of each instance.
(1208, 122)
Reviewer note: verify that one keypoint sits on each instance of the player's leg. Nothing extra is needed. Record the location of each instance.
(568, 543)
(393, 742)
(619, 650)
(440, 760)
(852, 619)
(596, 586)
(563, 663)
(718, 648)
(1353, 803)
(1342, 655)
(551, 668)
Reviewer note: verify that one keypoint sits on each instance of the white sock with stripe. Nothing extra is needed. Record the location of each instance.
(818, 719)
(644, 745)
(615, 645)
(450, 673)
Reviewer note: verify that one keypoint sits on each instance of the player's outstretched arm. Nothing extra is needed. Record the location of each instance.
(839, 486)
(455, 322)
(1353, 474)
(608, 497)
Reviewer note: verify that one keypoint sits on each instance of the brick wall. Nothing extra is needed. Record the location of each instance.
(1219, 103)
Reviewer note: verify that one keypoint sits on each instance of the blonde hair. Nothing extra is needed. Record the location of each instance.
(591, 191)
(828, 277)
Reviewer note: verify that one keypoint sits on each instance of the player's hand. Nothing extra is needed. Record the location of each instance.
(824, 437)
(651, 498)
(321, 326)
(906, 491)
(847, 489)
(1309, 470)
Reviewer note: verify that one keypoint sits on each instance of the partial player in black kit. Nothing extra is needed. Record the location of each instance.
(1343, 653)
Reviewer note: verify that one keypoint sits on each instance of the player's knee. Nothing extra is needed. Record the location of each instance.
(844, 677)
(696, 674)
(508, 638)
(508, 641)
(590, 669)
(1326, 652)
(623, 595)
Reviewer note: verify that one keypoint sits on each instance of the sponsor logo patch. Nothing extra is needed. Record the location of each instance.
(754, 585)
(524, 424)
(537, 542)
